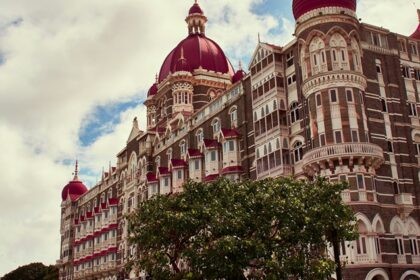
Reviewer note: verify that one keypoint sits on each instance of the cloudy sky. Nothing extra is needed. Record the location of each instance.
(73, 75)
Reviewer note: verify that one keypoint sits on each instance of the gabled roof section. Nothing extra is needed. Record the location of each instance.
(262, 47)
(135, 131)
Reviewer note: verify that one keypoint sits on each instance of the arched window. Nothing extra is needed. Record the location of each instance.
(356, 56)
(339, 53)
(169, 154)
(233, 113)
(183, 147)
(157, 162)
(216, 126)
(317, 54)
(298, 151)
(200, 136)
(294, 112)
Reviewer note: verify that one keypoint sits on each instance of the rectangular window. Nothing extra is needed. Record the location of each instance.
(349, 95)
(413, 109)
(390, 147)
(322, 140)
(360, 181)
(354, 136)
(196, 164)
(403, 46)
(414, 49)
(333, 96)
(289, 59)
(213, 155)
(414, 246)
(338, 137)
(343, 178)
(179, 175)
(166, 181)
(318, 100)
(231, 146)
(384, 106)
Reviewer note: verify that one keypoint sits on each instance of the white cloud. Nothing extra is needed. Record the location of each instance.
(398, 16)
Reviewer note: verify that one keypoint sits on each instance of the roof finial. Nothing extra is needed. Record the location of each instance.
(418, 14)
(156, 78)
(196, 1)
(259, 39)
(76, 171)
(240, 65)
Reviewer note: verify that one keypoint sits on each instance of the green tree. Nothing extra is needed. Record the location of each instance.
(269, 229)
(33, 271)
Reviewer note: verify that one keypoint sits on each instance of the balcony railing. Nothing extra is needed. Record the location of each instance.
(366, 151)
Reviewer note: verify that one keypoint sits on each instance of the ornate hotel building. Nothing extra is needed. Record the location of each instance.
(340, 101)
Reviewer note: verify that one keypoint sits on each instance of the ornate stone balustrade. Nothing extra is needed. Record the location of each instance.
(333, 79)
(323, 157)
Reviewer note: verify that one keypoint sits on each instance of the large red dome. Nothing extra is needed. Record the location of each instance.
(301, 7)
(198, 51)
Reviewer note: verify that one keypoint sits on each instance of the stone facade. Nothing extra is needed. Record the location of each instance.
(339, 101)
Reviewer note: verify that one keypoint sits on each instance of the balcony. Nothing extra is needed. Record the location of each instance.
(415, 259)
(402, 259)
(360, 153)
(330, 79)
(405, 204)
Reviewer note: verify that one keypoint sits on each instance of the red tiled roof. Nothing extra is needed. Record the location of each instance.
(89, 215)
(96, 210)
(230, 133)
(104, 206)
(151, 177)
(211, 144)
(113, 201)
(164, 171)
(178, 163)
(211, 178)
(232, 169)
(194, 153)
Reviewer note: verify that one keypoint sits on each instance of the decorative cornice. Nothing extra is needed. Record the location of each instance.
(325, 15)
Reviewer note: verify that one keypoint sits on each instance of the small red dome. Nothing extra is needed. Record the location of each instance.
(199, 51)
(75, 189)
(238, 76)
(153, 90)
(301, 7)
(195, 9)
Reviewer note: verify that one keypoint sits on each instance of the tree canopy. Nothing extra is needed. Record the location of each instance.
(33, 271)
(269, 229)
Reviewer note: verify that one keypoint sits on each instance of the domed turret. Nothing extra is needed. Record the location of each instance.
(196, 51)
(195, 9)
(153, 89)
(301, 7)
(239, 74)
(75, 188)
